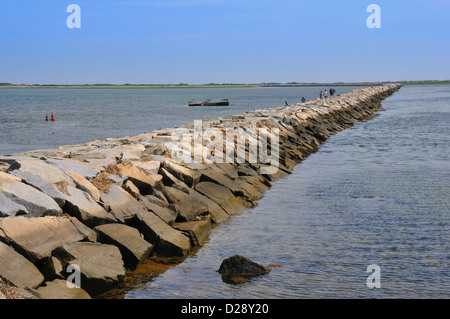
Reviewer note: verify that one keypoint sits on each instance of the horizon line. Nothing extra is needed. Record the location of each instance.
(220, 84)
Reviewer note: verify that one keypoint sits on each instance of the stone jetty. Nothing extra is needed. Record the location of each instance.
(97, 210)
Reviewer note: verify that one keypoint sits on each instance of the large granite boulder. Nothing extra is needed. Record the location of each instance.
(18, 270)
(172, 181)
(122, 205)
(218, 214)
(42, 176)
(186, 206)
(189, 176)
(67, 191)
(143, 179)
(36, 202)
(9, 208)
(167, 241)
(149, 165)
(36, 238)
(58, 289)
(213, 174)
(101, 267)
(82, 206)
(134, 248)
(198, 229)
(83, 184)
(101, 157)
(222, 196)
(82, 169)
(158, 207)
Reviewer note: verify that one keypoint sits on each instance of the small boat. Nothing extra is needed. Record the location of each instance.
(224, 102)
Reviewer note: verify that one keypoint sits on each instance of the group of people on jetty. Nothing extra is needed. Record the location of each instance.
(323, 94)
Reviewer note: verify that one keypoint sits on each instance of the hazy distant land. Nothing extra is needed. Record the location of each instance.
(214, 85)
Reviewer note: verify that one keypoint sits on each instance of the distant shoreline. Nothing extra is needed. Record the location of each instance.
(210, 85)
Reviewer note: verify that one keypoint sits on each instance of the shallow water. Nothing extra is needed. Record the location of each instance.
(374, 194)
(83, 115)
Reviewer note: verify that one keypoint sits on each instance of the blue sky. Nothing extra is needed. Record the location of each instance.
(222, 41)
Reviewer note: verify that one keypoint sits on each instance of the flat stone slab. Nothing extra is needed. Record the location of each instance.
(36, 238)
(134, 248)
(189, 176)
(122, 205)
(167, 241)
(17, 269)
(221, 195)
(36, 202)
(45, 177)
(150, 166)
(78, 167)
(197, 229)
(167, 214)
(82, 206)
(83, 184)
(9, 208)
(58, 289)
(102, 157)
(101, 266)
(68, 190)
(218, 214)
(186, 206)
(143, 179)
(55, 191)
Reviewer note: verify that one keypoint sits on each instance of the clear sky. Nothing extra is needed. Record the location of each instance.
(223, 41)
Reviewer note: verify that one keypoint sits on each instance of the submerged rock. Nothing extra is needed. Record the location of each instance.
(238, 269)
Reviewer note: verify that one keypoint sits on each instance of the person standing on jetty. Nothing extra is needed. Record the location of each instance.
(53, 117)
(46, 117)
(321, 95)
(325, 94)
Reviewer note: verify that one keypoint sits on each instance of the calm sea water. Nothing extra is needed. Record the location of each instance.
(83, 115)
(374, 194)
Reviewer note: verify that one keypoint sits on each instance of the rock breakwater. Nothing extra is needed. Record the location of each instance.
(97, 210)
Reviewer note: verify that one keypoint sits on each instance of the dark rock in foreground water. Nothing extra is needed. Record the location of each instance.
(238, 269)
